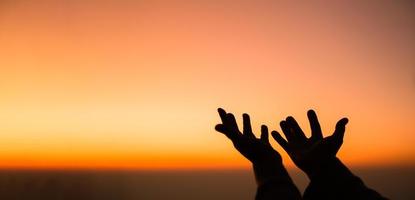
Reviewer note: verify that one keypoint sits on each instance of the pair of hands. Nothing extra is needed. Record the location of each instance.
(308, 154)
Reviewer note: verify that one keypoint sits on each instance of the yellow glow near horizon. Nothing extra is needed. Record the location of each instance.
(87, 84)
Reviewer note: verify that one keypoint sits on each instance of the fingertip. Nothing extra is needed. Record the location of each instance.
(280, 140)
(218, 127)
(264, 129)
(283, 123)
(341, 124)
(289, 118)
(346, 120)
(311, 113)
(221, 112)
(343, 121)
(276, 135)
(245, 116)
(264, 133)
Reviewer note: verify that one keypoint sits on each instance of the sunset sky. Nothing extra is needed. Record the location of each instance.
(125, 84)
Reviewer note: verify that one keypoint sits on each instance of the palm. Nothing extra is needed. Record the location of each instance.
(309, 153)
(255, 149)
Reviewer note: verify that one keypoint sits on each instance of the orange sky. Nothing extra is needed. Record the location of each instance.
(87, 84)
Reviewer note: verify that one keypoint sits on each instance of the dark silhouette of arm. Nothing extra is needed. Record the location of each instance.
(272, 178)
(334, 180)
(316, 156)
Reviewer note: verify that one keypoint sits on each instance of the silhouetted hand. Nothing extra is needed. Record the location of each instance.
(254, 149)
(309, 154)
(266, 161)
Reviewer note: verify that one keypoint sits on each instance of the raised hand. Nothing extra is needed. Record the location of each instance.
(254, 149)
(266, 161)
(310, 154)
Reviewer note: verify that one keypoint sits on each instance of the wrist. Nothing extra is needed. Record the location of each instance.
(270, 171)
(332, 167)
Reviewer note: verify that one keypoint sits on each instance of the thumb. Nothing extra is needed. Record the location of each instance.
(223, 129)
(340, 129)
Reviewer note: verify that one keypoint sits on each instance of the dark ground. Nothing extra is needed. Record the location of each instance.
(395, 183)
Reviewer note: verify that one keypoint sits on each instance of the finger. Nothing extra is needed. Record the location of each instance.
(298, 134)
(264, 134)
(281, 141)
(224, 129)
(340, 129)
(287, 132)
(315, 125)
(222, 114)
(247, 129)
(231, 122)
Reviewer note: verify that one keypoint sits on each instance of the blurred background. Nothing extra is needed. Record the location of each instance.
(117, 99)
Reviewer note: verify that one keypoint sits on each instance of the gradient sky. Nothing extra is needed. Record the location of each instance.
(123, 84)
